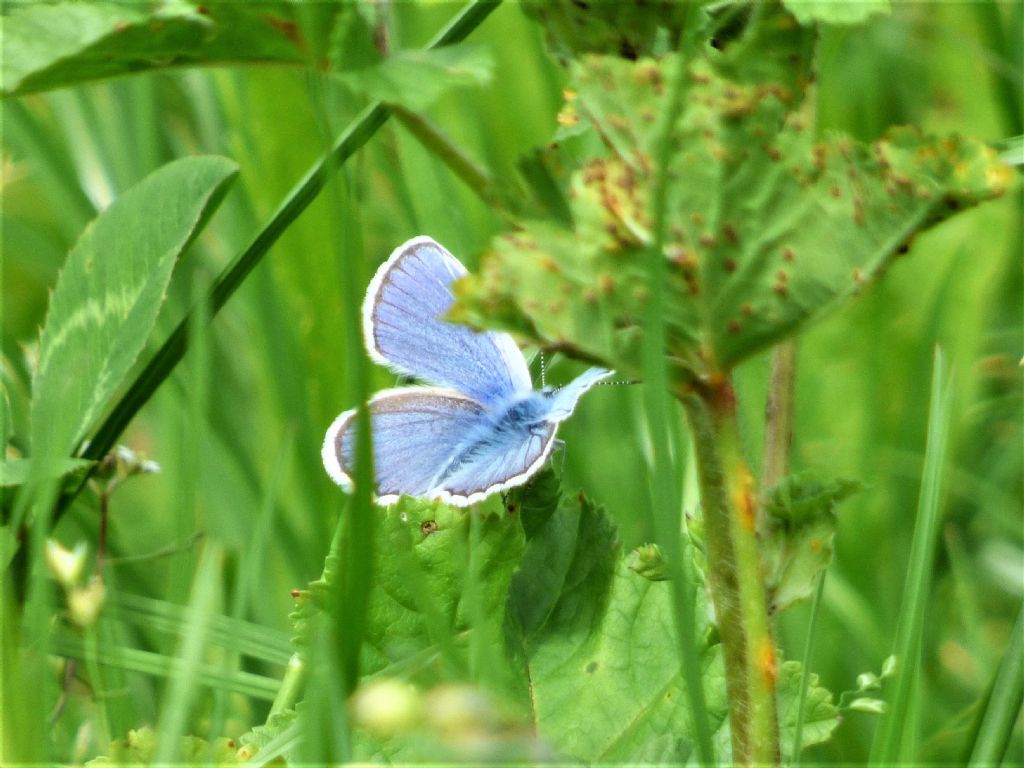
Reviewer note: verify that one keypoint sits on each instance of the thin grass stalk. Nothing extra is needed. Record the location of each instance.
(231, 278)
(1002, 704)
(181, 692)
(728, 501)
(666, 499)
(893, 730)
(160, 665)
(812, 627)
(250, 562)
(335, 651)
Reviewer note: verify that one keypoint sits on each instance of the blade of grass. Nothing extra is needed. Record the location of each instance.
(897, 726)
(666, 502)
(308, 188)
(253, 640)
(169, 667)
(181, 693)
(1002, 704)
(812, 626)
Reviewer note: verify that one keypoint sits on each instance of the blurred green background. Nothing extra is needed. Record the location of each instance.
(238, 427)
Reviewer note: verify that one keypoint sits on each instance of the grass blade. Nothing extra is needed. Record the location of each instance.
(159, 665)
(663, 421)
(1002, 704)
(897, 726)
(805, 671)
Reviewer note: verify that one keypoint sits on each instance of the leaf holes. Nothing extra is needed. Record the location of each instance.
(428, 527)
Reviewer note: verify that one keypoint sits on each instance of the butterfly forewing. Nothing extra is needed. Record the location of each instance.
(404, 329)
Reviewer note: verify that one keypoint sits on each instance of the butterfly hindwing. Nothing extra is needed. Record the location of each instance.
(416, 431)
(500, 463)
(404, 329)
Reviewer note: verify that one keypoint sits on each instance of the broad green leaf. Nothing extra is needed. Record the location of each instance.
(767, 229)
(585, 661)
(800, 526)
(108, 293)
(598, 641)
(417, 78)
(843, 12)
(418, 602)
(52, 45)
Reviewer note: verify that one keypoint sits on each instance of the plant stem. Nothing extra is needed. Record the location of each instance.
(734, 571)
(778, 414)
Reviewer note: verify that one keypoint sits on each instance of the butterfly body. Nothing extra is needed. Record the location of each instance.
(482, 428)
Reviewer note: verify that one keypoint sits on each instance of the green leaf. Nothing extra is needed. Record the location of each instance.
(567, 620)
(139, 748)
(418, 605)
(821, 716)
(845, 13)
(800, 527)
(598, 638)
(766, 228)
(109, 292)
(52, 45)
(608, 26)
(416, 78)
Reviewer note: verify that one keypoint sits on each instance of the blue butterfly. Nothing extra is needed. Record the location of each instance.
(481, 428)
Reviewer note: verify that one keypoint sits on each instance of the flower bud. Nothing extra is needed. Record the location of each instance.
(65, 565)
(85, 603)
(385, 707)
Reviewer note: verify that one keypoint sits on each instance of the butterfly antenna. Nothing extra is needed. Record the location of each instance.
(618, 382)
(543, 370)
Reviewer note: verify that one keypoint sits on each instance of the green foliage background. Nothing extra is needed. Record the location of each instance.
(242, 511)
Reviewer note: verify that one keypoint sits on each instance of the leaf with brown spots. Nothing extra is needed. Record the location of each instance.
(766, 229)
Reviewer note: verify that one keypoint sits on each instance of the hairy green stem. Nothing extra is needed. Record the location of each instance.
(734, 572)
